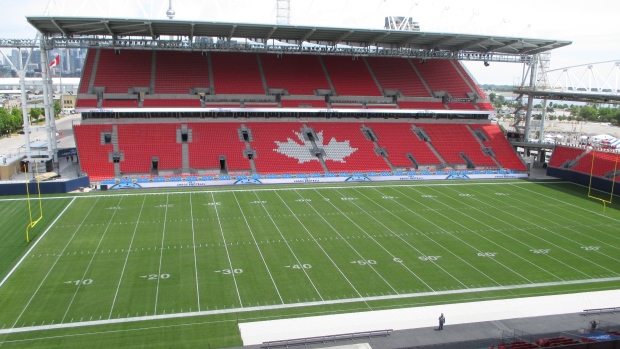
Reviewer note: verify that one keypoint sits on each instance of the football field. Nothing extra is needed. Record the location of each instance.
(108, 269)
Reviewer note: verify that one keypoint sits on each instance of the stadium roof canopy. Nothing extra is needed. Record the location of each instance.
(117, 28)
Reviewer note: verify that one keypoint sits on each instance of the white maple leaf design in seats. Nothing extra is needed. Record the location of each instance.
(334, 150)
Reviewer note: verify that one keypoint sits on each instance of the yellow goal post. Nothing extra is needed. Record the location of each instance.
(32, 222)
(605, 201)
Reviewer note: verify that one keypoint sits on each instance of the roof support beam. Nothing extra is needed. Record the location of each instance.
(268, 36)
(60, 28)
(191, 33)
(411, 39)
(377, 38)
(150, 29)
(471, 44)
(343, 36)
(232, 31)
(540, 48)
(306, 36)
(506, 44)
(442, 41)
(105, 24)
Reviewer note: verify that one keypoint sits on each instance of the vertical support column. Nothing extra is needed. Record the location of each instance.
(542, 119)
(530, 99)
(48, 100)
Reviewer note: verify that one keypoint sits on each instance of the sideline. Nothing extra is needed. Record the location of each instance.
(325, 302)
(309, 186)
(35, 243)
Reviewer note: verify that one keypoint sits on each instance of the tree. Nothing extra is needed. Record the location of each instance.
(492, 97)
(57, 108)
(16, 119)
(35, 113)
(4, 121)
(588, 113)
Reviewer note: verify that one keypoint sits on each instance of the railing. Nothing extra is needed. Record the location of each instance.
(587, 312)
(324, 339)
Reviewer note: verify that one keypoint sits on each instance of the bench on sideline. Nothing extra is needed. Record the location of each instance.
(323, 339)
(587, 312)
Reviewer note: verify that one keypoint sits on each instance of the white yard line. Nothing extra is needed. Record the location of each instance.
(566, 217)
(550, 243)
(259, 250)
(405, 241)
(434, 241)
(297, 305)
(127, 258)
(232, 269)
(501, 247)
(379, 244)
(191, 212)
(309, 186)
(300, 263)
(53, 265)
(91, 261)
(161, 254)
(35, 243)
(342, 238)
(494, 260)
(321, 247)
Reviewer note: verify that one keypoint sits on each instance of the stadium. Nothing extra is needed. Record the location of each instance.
(294, 185)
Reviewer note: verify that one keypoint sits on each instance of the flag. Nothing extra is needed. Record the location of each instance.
(55, 62)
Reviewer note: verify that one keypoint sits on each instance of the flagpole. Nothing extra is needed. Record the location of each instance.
(62, 105)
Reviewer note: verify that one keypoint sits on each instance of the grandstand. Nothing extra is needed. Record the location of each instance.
(252, 84)
(405, 110)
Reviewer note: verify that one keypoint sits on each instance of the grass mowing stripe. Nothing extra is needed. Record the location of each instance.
(191, 211)
(318, 244)
(405, 241)
(161, 253)
(126, 257)
(53, 265)
(537, 237)
(90, 262)
(35, 243)
(447, 218)
(362, 257)
(528, 233)
(433, 240)
(495, 217)
(576, 214)
(380, 245)
(232, 270)
(262, 203)
(258, 248)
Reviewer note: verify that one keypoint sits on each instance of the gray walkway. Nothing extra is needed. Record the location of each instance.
(478, 335)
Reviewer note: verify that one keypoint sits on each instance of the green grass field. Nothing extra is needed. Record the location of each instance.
(183, 268)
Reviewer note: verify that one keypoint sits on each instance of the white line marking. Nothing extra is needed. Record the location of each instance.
(258, 248)
(289, 247)
(302, 304)
(161, 254)
(53, 265)
(90, 262)
(401, 238)
(127, 258)
(307, 187)
(319, 245)
(564, 237)
(232, 270)
(35, 243)
(348, 244)
(191, 212)
(495, 260)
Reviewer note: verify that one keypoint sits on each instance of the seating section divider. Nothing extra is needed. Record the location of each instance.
(350, 77)
(298, 74)
(399, 139)
(504, 152)
(452, 139)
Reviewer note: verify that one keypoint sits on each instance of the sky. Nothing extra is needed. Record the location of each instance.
(591, 26)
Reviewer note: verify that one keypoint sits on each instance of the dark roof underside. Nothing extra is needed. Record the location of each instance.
(114, 27)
